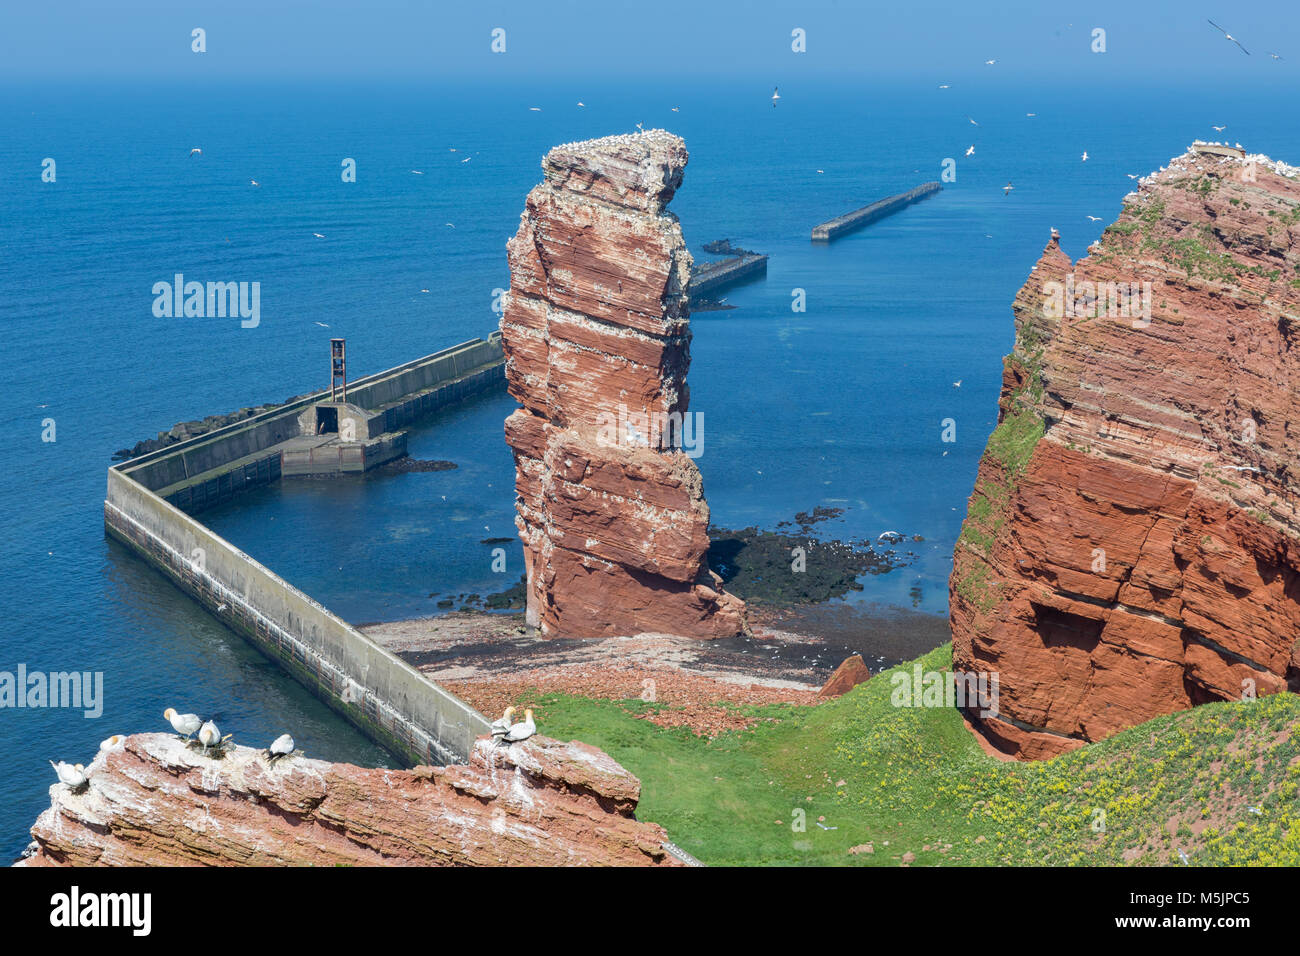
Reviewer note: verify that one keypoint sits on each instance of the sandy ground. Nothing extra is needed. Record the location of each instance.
(491, 660)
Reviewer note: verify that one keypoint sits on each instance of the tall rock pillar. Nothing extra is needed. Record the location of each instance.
(596, 331)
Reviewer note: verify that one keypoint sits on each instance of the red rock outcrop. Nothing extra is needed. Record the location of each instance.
(596, 335)
(1131, 545)
(155, 801)
(852, 671)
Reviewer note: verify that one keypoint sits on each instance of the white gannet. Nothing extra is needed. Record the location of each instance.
(71, 775)
(534, 109)
(1228, 36)
(323, 325)
(196, 151)
(580, 103)
(282, 746)
(187, 725)
(318, 235)
(970, 151)
(1085, 155)
(502, 723)
(522, 730)
(1275, 56)
(943, 86)
(989, 62)
(114, 742)
(420, 172)
(1007, 188)
(957, 384)
(209, 735)
(1218, 129)
(972, 121)
(254, 182)
(776, 95)
(1095, 218)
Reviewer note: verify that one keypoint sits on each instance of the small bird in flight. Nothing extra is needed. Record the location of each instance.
(1085, 155)
(972, 122)
(254, 182)
(1218, 129)
(776, 95)
(1275, 56)
(318, 235)
(989, 62)
(971, 150)
(196, 151)
(534, 109)
(582, 104)
(1228, 36)
(1007, 188)
(322, 325)
(420, 172)
(1095, 218)
(943, 86)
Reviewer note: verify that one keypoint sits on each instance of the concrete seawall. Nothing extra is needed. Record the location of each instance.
(840, 225)
(387, 699)
(712, 276)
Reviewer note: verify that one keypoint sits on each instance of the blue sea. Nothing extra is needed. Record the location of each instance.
(840, 405)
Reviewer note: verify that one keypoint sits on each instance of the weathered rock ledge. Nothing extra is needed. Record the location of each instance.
(155, 801)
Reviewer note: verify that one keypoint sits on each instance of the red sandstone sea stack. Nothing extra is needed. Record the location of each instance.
(1131, 546)
(596, 332)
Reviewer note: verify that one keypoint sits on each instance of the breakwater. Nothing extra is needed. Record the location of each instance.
(834, 228)
(387, 699)
(713, 276)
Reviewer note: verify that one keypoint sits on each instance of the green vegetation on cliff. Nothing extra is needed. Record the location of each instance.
(1217, 782)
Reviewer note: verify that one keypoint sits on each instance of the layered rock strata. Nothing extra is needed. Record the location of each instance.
(1130, 547)
(155, 801)
(596, 332)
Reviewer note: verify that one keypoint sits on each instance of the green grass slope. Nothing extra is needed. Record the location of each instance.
(1217, 782)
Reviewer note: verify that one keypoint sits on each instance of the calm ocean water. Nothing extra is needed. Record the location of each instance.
(840, 405)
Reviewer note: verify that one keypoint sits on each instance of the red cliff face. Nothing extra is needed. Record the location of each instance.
(596, 334)
(1131, 548)
(154, 801)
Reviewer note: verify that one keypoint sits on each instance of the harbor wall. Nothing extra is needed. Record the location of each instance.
(388, 700)
(838, 226)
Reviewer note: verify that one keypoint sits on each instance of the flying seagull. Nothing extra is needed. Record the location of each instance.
(943, 86)
(1218, 129)
(534, 109)
(420, 172)
(1275, 56)
(582, 104)
(989, 62)
(1085, 155)
(1228, 36)
(776, 95)
(1007, 188)
(972, 121)
(187, 725)
(254, 182)
(323, 325)
(1095, 218)
(318, 235)
(282, 746)
(196, 151)
(971, 150)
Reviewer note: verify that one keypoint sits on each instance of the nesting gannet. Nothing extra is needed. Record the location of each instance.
(114, 742)
(522, 730)
(209, 735)
(502, 723)
(71, 775)
(187, 725)
(1228, 36)
(282, 746)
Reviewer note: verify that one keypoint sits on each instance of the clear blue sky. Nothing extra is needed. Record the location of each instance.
(105, 39)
